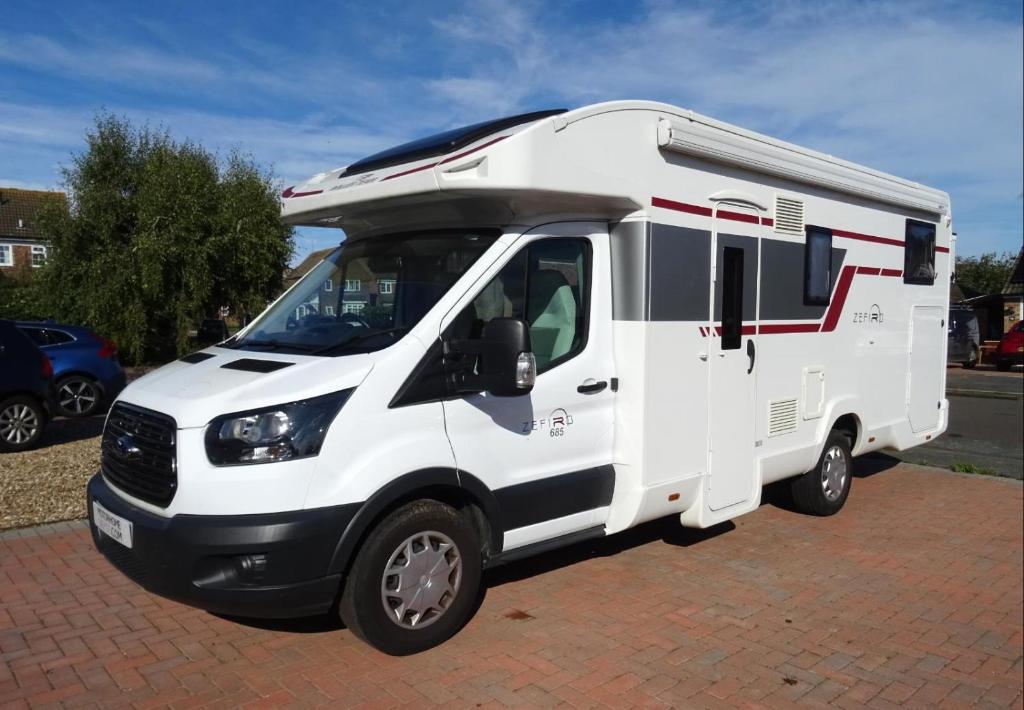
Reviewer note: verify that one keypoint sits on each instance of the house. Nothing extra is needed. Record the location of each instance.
(22, 246)
(351, 292)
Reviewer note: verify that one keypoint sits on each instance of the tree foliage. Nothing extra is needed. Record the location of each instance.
(159, 234)
(985, 274)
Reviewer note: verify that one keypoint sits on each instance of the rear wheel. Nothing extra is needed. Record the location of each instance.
(22, 420)
(78, 396)
(414, 581)
(824, 489)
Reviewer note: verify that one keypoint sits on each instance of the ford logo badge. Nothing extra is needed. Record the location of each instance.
(126, 447)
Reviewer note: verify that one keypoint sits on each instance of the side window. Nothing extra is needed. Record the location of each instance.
(818, 266)
(36, 335)
(732, 298)
(547, 284)
(58, 337)
(919, 253)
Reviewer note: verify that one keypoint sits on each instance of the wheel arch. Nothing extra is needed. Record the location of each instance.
(447, 485)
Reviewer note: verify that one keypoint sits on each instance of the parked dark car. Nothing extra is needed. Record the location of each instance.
(86, 370)
(1011, 348)
(212, 331)
(964, 337)
(26, 390)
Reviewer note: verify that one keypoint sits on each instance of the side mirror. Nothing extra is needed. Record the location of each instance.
(503, 359)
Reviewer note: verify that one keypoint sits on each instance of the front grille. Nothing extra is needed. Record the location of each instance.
(138, 453)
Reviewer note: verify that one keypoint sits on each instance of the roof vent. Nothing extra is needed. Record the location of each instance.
(789, 216)
(781, 417)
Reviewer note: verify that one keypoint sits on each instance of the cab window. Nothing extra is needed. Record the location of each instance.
(547, 284)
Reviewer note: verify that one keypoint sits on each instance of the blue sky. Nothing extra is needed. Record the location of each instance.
(928, 91)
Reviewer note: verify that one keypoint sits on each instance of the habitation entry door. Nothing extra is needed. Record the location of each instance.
(732, 354)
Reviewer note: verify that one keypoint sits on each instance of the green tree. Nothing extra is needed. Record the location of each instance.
(157, 235)
(985, 274)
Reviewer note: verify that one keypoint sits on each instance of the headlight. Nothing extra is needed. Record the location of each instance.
(287, 431)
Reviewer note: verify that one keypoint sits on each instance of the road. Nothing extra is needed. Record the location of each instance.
(985, 427)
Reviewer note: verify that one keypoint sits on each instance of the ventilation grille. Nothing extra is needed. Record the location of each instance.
(781, 417)
(789, 216)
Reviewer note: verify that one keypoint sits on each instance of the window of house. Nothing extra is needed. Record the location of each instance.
(353, 285)
(6, 255)
(818, 266)
(385, 286)
(328, 285)
(547, 284)
(38, 256)
(328, 310)
(353, 307)
(919, 253)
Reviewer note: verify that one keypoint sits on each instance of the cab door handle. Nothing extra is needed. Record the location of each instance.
(592, 387)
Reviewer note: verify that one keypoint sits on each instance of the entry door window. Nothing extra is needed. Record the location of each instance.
(547, 284)
(732, 298)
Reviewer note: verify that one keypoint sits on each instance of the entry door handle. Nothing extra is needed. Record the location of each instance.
(752, 354)
(592, 387)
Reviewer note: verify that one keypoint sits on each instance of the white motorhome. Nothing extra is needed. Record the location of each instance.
(537, 330)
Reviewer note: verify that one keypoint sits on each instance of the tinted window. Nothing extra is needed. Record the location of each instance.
(547, 284)
(732, 297)
(36, 335)
(58, 337)
(817, 267)
(919, 253)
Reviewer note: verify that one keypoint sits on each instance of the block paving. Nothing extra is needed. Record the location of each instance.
(912, 595)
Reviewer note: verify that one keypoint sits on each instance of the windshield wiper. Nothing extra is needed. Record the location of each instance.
(272, 343)
(358, 338)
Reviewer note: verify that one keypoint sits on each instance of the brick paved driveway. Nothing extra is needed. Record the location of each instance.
(911, 595)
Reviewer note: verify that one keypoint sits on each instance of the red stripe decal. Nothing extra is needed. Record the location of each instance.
(289, 194)
(680, 206)
(835, 309)
(744, 330)
(777, 328)
(942, 250)
(473, 150)
(866, 238)
(868, 270)
(891, 272)
(767, 221)
(445, 160)
(738, 216)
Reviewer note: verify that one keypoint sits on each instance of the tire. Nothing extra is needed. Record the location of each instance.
(22, 421)
(1003, 365)
(379, 617)
(78, 396)
(824, 489)
(973, 361)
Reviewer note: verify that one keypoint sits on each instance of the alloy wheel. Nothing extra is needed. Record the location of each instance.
(18, 423)
(833, 473)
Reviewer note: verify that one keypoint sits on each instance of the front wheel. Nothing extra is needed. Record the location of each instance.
(824, 489)
(415, 580)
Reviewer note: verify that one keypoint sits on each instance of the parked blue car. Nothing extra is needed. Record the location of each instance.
(86, 371)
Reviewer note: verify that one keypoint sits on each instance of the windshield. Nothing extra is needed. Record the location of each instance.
(367, 294)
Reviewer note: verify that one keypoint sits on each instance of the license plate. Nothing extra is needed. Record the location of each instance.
(113, 526)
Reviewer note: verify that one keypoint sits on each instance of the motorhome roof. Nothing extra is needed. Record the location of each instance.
(551, 162)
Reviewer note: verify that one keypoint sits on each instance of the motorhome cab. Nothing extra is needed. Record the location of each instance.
(537, 330)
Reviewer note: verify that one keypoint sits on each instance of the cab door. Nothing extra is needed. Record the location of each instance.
(546, 455)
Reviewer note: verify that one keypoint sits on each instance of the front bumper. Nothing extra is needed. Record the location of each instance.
(267, 566)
